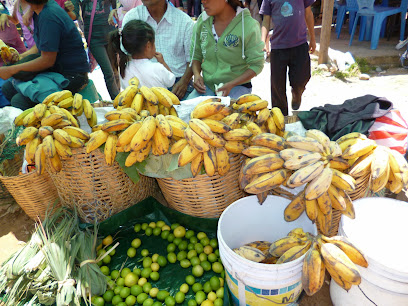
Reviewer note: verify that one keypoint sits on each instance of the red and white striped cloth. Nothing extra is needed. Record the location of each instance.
(391, 131)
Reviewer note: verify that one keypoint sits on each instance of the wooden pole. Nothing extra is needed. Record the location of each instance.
(326, 31)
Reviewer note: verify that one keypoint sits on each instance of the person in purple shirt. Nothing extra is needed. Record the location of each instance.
(288, 47)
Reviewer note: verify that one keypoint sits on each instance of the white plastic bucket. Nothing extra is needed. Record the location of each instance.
(379, 231)
(254, 283)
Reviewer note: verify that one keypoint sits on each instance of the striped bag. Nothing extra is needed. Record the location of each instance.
(391, 131)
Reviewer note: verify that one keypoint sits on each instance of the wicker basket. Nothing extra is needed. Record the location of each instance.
(97, 190)
(34, 193)
(9, 167)
(204, 196)
(334, 227)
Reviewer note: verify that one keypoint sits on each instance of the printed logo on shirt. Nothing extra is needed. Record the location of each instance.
(231, 41)
(204, 38)
(287, 10)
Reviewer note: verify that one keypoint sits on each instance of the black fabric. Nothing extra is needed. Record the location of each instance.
(354, 115)
(297, 59)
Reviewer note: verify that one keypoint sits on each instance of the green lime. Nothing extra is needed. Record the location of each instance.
(171, 248)
(157, 231)
(131, 279)
(208, 249)
(144, 252)
(212, 257)
(218, 302)
(212, 296)
(101, 252)
(107, 259)
(215, 283)
(165, 234)
(113, 252)
(206, 265)
(137, 271)
(197, 287)
(147, 262)
(116, 300)
(122, 304)
(153, 292)
(192, 303)
(142, 281)
(157, 303)
(137, 228)
(203, 257)
(177, 241)
(174, 226)
(185, 263)
(184, 288)
(108, 296)
(98, 301)
(205, 241)
(170, 237)
(136, 243)
(217, 252)
(195, 261)
(171, 257)
(183, 245)
(181, 255)
(147, 287)
(166, 228)
(124, 293)
(155, 257)
(207, 303)
(170, 301)
(117, 290)
(199, 248)
(198, 271)
(144, 226)
(214, 243)
(154, 276)
(161, 296)
(115, 274)
(130, 300)
(149, 231)
(111, 284)
(120, 281)
(190, 247)
(217, 267)
(189, 234)
(108, 277)
(220, 292)
(162, 261)
(201, 235)
(146, 272)
(155, 267)
(179, 232)
(207, 287)
(105, 270)
(200, 297)
(190, 280)
(160, 223)
(152, 224)
(221, 281)
(180, 297)
(141, 298)
(222, 274)
(124, 272)
(131, 252)
(193, 240)
(191, 254)
(100, 263)
(136, 290)
(148, 302)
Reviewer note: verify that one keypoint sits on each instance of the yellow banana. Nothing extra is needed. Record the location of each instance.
(116, 115)
(278, 118)
(76, 132)
(263, 164)
(358, 149)
(40, 159)
(49, 98)
(177, 128)
(217, 126)
(127, 99)
(269, 140)
(187, 155)
(39, 111)
(291, 153)
(250, 253)
(62, 150)
(31, 148)
(26, 136)
(178, 146)
(62, 136)
(343, 181)
(280, 246)
(223, 164)
(164, 126)
(256, 151)
(210, 162)
(77, 103)
(217, 142)
(294, 253)
(70, 117)
(266, 181)
(49, 147)
(97, 139)
(296, 207)
(335, 149)
(254, 128)
(149, 95)
(202, 129)
(395, 182)
(62, 95)
(110, 149)
(235, 146)
(302, 161)
(232, 120)
(324, 203)
(352, 252)
(206, 110)
(336, 199)
(321, 137)
(263, 115)
(20, 118)
(137, 103)
(144, 134)
(324, 221)
(162, 97)
(196, 164)
(362, 166)
(253, 106)
(88, 108)
(380, 163)
(77, 142)
(312, 209)
(353, 135)
(116, 125)
(161, 142)
(131, 159)
(305, 143)
(313, 272)
(195, 140)
(134, 81)
(377, 184)
(339, 163)
(52, 119)
(247, 98)
(305, 175)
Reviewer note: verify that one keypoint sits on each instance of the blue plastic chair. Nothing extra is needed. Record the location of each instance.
(378, 14)
(351, 7)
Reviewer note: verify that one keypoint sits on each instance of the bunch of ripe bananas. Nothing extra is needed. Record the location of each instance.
(9, 55)
(338, 255)
(50, 133)
(155, 100)
(386, 168)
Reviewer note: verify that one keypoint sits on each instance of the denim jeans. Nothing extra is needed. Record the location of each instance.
(235, 92)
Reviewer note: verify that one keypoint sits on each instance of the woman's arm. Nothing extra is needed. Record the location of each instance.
(198, 79)
(247, 76)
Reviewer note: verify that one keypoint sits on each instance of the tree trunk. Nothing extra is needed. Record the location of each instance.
(326, 31)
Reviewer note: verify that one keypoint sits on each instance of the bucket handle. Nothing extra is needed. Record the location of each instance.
(259, 296)
(366, 295)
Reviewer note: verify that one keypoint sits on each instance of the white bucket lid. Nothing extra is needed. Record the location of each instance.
(380, 231)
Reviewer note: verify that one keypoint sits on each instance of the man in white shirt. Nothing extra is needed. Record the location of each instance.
(174, 30)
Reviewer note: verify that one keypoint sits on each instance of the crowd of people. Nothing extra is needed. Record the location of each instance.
(192, 47)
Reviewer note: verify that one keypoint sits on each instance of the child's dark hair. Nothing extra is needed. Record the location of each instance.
(135, 35)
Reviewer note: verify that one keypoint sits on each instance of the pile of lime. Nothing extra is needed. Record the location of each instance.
(185, 248)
